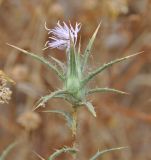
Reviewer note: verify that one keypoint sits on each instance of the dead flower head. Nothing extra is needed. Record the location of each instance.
(5, 92)
(29, 120)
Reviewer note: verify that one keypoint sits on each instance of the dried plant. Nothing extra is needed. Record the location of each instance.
(5, 92)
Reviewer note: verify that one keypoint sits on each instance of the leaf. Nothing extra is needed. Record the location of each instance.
(7, 150)
(59, 63)
(89, 47)
(63, 150)
(90, 108)
(43, 100)
(69, 97)
(39, 156)
(105, 66)
(41, 59)
(100, 153)
(66, 115)
(102, 90)
(72, 61)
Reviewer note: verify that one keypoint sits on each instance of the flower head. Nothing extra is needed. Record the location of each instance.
(62, 35)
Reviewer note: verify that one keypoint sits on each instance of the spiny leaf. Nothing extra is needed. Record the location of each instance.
(89, 47)
(90, 108)
(66, 96)
(105, 66)
(44, 99)
(41, 59)
(63, 150)
(100, 153)
(67, 115)
(39, 156)
(102, 90)
(7, 150)
(59, 63)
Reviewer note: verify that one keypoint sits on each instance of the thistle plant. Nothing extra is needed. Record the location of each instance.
(74, 76)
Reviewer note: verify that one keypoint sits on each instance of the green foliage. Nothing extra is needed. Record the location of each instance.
(65, 114)
(75, 89)
(89, 48)
(90, 108)
(105, 66)
(101, 153)
(59, 63)
(41, 59)
(63, 150)
(7, 150)
(103, 90)
(56, 94)
(75, 79)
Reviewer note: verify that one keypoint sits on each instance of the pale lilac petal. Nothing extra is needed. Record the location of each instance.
(61, 35)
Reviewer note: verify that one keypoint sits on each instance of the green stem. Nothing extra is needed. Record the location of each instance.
(74, 130)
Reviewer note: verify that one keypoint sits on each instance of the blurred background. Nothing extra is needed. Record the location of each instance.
(121, 120)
